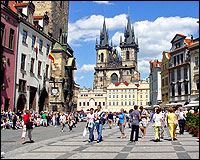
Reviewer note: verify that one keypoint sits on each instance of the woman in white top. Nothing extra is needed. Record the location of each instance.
(158, 119)
(90, 124)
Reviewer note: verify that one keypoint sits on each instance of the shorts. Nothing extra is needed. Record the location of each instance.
(143, 123)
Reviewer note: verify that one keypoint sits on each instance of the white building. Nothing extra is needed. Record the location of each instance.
(33, 65)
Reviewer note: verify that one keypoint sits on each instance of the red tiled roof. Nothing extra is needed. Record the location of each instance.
(155, 64)
(181, 35)
(11, 5)
(188, 41)
(193, 44)
(117, 84)
(169, 55)
(137, 85)
(38, 17)
(21, 4)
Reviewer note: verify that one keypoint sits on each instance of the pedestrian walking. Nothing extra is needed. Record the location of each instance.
(158, 119)
(62, 121)
(14, 120)
(70, 121)
(122, 122)
(171, 122)
(181, 120)
(26, 127)
(90, 123)
(110, 119)
(99, 122)
(144, 120)
(135, 119)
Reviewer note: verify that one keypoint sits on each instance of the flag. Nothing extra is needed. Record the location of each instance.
(36, 49)
(51, 56)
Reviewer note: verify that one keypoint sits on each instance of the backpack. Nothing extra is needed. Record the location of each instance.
(29, 125)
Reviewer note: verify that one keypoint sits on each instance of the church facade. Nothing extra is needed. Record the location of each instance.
(111, 67)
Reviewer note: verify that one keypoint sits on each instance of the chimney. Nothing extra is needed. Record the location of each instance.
(45, 23)
(191, 38)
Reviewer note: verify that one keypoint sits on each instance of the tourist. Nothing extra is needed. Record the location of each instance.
(110, 119)
(122, 122)
(14, 120)
(26, 118)
(144, 120)
(70, 121)
(90, 123)
(135, 119)
(181, 120)
(158, 119)
(44, 119)
(62, 121)
(171, 118)
(100, 121)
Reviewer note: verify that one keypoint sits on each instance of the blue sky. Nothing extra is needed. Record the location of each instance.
(155, 24)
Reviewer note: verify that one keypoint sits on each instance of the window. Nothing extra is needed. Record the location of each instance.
(95, 103)
(185, 73)
(116, 103)
(129, 96)
(127, 55)
(100, 103)
(113, 103)
(113, 96)
(129, 103)
(146, 103)
(33, 41)
(24, 34)
(146, 96)
(196, 60)
(197, 83)
(178, 74)
(40, 45)
(133, 96)
(87, 103)
(32, 65)
(23, 58)
(179, 89)
(174, 61)
(48, 48)
(125, 103)
(101, 79)
(60, 34)
(172, 76)
(61, 4)
(116, 96)
(109, 103)
(22, 85)
(127, 73)
(133, 90)
(11, 39)
(178, 45)
(186, 88)
(122, 96)
(178, 59)
(141, 103)
(133, 102)
(114, 78)
(2, 33)
(121, 103)
(102, 57)
(125, 96)
(39, 68)
(103, 103)
(109, 96)
(79, 103)
(181, 58)
(140, 96)
(47, 71)
(83, 103)
(173, 90)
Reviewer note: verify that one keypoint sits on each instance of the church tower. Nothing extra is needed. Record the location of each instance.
(129, 51)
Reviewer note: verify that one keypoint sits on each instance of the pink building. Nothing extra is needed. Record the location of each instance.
(9, 25)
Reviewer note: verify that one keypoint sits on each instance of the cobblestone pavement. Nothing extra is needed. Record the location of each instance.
(74, 146)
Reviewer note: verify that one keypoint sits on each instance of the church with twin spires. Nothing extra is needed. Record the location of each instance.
(111, 67)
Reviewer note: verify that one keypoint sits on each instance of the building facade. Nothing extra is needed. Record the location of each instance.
(88, 98)
(58, 12)
(155, 82)
(62, 76)
(165, 78)
(179, 69)
(32, 61)
(110, 66)
(9, 26)
(194, 69)
(76, 91)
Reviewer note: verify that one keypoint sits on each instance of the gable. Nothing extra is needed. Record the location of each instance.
(178, 37)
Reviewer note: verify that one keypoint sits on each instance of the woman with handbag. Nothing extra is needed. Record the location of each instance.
(27, 126)
(172, 123)
(158, 119)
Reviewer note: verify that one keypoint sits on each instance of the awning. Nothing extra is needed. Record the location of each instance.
(191, 105)
(174, 104)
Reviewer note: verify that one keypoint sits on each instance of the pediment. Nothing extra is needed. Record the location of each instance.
(178, 37)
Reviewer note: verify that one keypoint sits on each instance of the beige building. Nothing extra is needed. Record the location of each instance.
(194, 69)
(88, 98)
(75, 96)
(56, 11)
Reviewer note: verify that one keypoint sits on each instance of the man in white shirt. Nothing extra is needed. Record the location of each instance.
(62, 121)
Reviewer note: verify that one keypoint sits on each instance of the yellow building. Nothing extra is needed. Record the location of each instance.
(126, 95)
(194, 69)
(165, 78)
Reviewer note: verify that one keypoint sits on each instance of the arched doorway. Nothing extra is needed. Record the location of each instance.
(92, 103)
(43, 99)
(21, 102)
(114, 78)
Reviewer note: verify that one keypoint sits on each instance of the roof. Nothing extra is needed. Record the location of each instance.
(193, 44)
(117, 84)
(181, 35)
(137, 85)
(178, 35)
(21, 4)
(38, 17)
(188, 41)
(156, 64)
(11, 5)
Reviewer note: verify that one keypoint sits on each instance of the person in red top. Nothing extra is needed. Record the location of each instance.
(26, 118)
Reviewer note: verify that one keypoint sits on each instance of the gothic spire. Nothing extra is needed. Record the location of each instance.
(104, 36)
(128, 34)
(64, 32)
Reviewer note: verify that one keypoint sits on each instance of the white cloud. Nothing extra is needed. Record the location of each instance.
(86, 68)
(79, 78)
(143, 66)
(103, 2)
(88, 28)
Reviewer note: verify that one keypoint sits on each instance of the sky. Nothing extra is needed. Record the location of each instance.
(155, 24)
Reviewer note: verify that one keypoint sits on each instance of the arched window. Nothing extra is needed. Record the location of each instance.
(101, 57)
(114, 78)
(127, 55)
